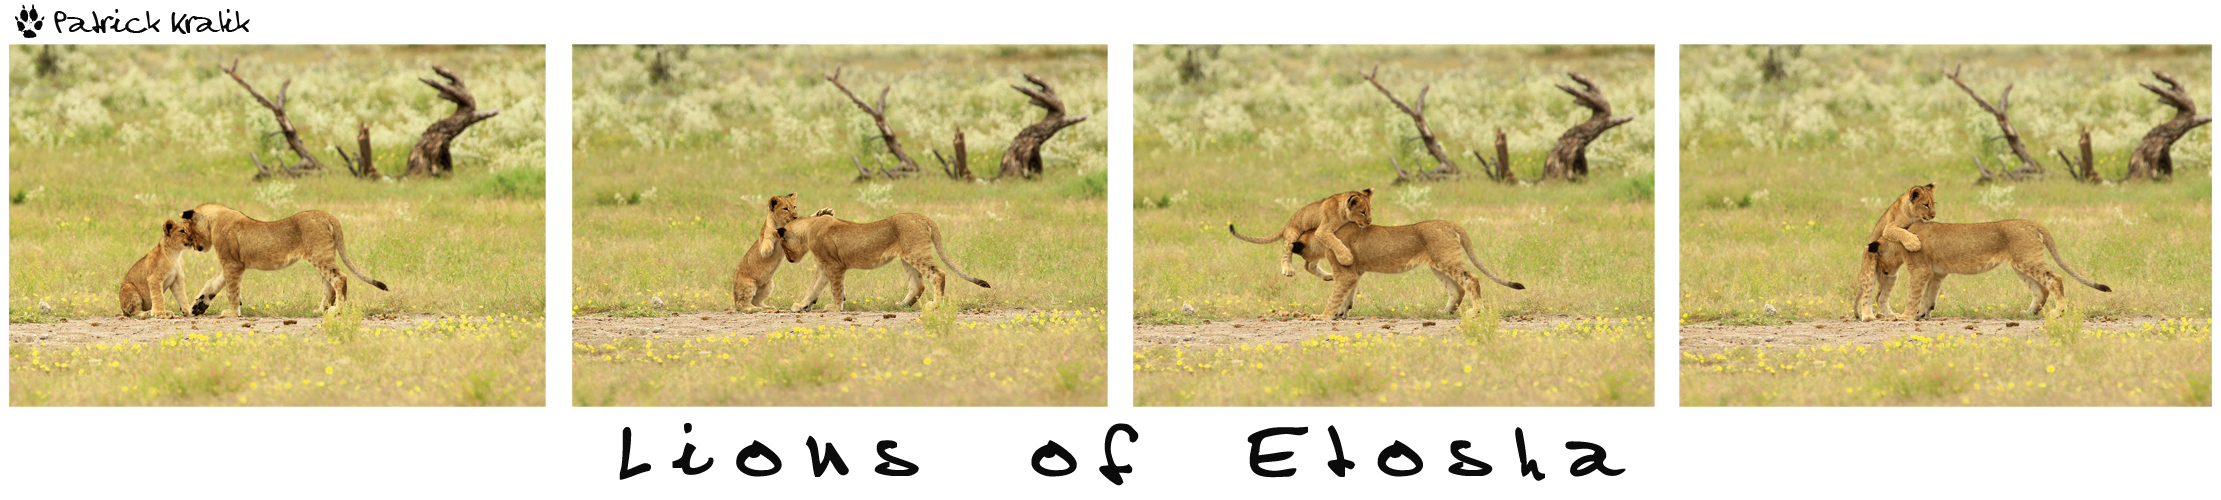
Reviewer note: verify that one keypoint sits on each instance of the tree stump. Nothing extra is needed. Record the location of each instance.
(2152, 159)
(1023, 158)
(961, 170)
(360, 164)
(1570, 159)
(1501, 172)
(431, 155)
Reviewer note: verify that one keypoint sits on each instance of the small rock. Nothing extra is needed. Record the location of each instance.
(44, 308)
(1818, 326)
(1428, 323)
(1188, 309)
(96, 324)
(887, 316)
(1206, 322)
(65, 320)
(1390, 326)
(1970, 327)
(1770, 311)
(1237, 325)
(249, 324)
(657, 301)
(2010, 324)
(850, 318)
(196, 325)
(292, 322)
(705, 318)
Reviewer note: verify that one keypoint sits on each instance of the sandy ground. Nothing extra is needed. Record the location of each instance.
(1280, 331)
(118, 330)
(596, 330)
(1706, 338)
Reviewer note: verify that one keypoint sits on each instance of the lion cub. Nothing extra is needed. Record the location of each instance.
(1395, 249)
(162, 270)
(752, 280)
(842, 245)
(1323, 217)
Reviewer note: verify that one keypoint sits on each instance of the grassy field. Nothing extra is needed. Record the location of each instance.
(125, 136)
(1047, 359)
(1783, 180)
(2168, 364)
(494, 360)
(1270, 129)
(1775, 172)
(672, 179)
(120, 137)
(1602, 362)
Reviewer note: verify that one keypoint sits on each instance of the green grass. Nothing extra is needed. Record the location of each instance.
(1271, 129)
(672, 181)
(127, 136)
(2169, 364)
(1586, 363)
(1051, 359)
(1782, 181)
(484, 361)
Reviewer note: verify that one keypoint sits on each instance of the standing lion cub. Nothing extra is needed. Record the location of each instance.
(842, 245)
(752, 280)
(1323, 217)
(161, 271)
(242, 243)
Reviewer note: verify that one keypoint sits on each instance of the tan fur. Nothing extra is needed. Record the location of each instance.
(842, 245)
(161, 271)
(1976, 248)
(242, 243)
(1918, 204)
(1395, 249)
(1325, 217)
(752, 279)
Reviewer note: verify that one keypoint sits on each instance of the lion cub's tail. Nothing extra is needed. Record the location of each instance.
(2054, 248)
(339, 244)
(1467, 242)
(945, 257)
(1260, 241)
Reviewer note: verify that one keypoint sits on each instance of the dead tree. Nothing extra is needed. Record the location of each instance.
(1570, 159)
(961, 170)
(1500, 172)
(1444, 166)
(308, 163)
(903, 166)
(2028, 165)
(1023, 159)
(360, 164)
(2084, 171)
(2152, 159)
(431, 157)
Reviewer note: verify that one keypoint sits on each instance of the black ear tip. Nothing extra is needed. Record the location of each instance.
(1931, 184)
(1873, 247)
(188, 215)
(1368, 190)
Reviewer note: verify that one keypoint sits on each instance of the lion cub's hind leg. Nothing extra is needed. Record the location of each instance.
(1290, 244)
(1453, 288)
(917, 286)
(129, 300)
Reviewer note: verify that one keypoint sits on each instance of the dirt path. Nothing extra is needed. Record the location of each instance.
(1705, 338)
(1276, 331)
(118, 330)
(594, 330)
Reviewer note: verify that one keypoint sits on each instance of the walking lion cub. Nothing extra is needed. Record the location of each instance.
(242, 243)
(161, 271)
(842, 245)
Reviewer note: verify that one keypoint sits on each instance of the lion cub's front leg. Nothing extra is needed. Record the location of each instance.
(1900, 236)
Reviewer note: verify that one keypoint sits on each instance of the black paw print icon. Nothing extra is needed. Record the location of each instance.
(27, 21)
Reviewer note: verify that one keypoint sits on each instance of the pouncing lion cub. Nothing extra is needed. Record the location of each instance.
(161, 271)
(1395, 249)
(1875, 276)
(752, 280)
(1324, 218)
(842, 245)
(241, 243)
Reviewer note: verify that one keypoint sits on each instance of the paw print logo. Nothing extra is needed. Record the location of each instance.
(28, 21)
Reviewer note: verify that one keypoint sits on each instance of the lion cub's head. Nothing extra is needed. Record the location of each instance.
(784, 210)
(1359, 208)
(794, 238)
(1922, 202)
(176, 236)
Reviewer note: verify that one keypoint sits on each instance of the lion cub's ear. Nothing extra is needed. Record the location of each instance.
(1368, 191)
(188, 215)
(782, 232)
(1931, 185)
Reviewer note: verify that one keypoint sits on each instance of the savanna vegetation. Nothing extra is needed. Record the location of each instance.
(1263, 131)
(679, 148)
(1790, 154)
(107, 141)
(1248, 134)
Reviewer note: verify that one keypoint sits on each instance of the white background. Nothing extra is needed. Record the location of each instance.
(1668, 451)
